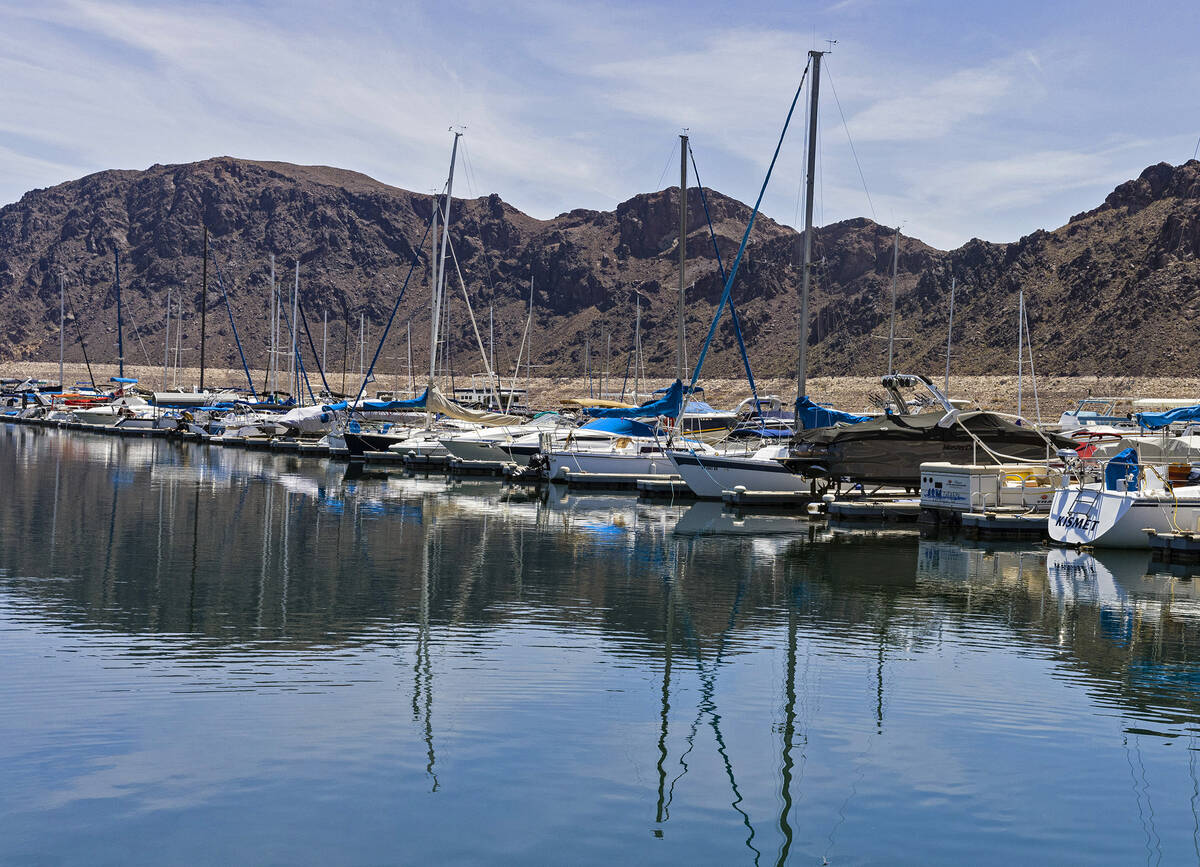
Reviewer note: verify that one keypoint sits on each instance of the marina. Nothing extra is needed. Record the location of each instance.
(732, 686)
(598, 435)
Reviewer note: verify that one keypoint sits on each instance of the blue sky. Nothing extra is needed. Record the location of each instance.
(969, 120)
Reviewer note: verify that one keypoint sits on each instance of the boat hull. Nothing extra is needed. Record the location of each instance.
(709, 476)
(613, 463)
(1092, 516)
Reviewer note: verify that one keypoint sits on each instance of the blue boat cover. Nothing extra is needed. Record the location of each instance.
(812, 415)
(123, 379)
(667, 405)
(1155, 420)
(333, 407)
(1124, 465)
(622, 426)
(377, 405)
(764, 432)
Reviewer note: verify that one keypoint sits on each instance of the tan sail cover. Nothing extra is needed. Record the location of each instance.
(596, 402)
(439, 403)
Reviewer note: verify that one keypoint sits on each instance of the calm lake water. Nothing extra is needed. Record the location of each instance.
(219, 656)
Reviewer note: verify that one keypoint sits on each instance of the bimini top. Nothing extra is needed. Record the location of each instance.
(621, 426)
(1156, 420)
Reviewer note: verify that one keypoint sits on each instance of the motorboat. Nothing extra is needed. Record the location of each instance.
(890, 448)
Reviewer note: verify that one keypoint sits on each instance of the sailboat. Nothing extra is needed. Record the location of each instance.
(709, 476)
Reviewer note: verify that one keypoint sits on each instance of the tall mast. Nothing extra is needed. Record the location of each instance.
(679, 346)
(62, 329)
(120, 321)
(324, 334)
(810, 174)
(895, 274)
(411, 382)
(949, 336)
(440, 279)
(295, 302)
(433, 311)
(203, 306)
(362, 345)
(273, 355)
(637, 348)
(1020, 343)
(167, 342)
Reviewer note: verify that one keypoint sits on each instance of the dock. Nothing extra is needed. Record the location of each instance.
(673, 488)
(792, 501)
(1174, 547)
(611, 481)
(888, 511)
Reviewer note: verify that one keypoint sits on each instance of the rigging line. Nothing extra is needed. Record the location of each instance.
(233, 325)
(487, 259)
(475, 327)
(312, 346)
(737, 326)
(412, 267)
(82, 342)
(133, 322)
(301, 371)
(712, 329)
(670, 159)
(854, 153)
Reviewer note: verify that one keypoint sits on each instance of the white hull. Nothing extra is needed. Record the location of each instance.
(609, 463)
(1118, 519)
(477, 450)
(709, 476)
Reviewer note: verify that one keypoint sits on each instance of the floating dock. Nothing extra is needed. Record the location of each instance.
(673, 488)
(611, 481)
(1174, 547)
(459, 467)
(888, 511)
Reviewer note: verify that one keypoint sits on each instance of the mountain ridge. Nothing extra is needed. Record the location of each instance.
(354, 237)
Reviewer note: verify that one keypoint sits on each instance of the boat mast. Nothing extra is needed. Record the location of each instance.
(166, 342)
(680, 342)
(892, 327)
(203, 306)
(120, 321)
(440, 271)
(362, 345)
(411, 383)
(1020, 343)
(295, 303)
(637, 348)
(273, 326)
(805, 278)
(62, 328)
(324, 334)
(949, 336)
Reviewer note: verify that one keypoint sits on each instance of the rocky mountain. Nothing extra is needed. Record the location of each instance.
(1112, 292)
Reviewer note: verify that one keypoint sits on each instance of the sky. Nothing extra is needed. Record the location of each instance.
(953, 120)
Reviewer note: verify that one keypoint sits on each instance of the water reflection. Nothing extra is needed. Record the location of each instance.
(658, 682)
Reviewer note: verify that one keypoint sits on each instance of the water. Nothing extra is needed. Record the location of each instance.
(218, 656)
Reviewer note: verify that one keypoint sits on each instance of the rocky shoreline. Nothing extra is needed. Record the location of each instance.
(852, 393)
